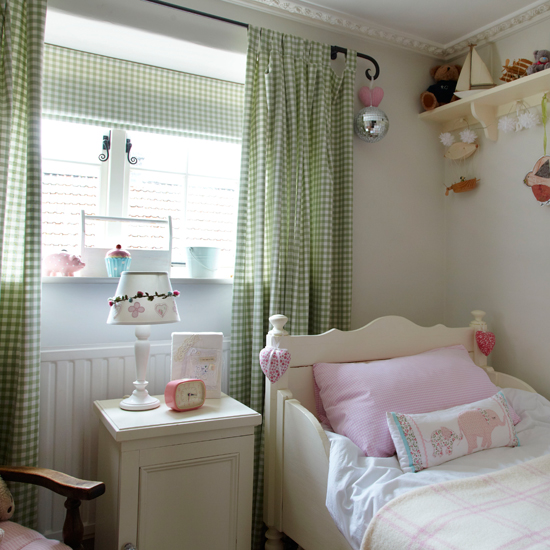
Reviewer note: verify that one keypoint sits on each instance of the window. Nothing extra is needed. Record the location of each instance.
(185, 132)
(193, 180)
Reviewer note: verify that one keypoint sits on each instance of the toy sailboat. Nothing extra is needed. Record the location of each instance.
(474, 75)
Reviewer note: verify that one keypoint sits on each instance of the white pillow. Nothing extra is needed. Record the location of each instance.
(429, 439)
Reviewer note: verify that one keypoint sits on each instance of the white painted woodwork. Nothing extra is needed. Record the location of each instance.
(176, 480)
(306, 454)
(488, 105)
(142, 260)
(296, 446)
(71, 380)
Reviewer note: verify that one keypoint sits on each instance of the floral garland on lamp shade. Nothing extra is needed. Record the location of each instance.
(133, 306)
(140, 294)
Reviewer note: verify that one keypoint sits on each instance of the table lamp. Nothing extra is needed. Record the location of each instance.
(143, 298)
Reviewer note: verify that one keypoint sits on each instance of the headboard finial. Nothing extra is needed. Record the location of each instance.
(478, 314)
(278, 322)
(478, 323)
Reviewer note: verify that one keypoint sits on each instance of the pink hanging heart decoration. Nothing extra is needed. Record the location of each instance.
(377, 96)
(365, 96)
(485, 341)
(370, 98)
(274, 362)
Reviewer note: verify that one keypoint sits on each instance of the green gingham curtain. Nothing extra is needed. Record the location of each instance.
(22, 38)
(93, 89)
(294, 233)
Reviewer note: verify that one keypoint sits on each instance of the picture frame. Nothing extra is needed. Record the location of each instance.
(198, 355)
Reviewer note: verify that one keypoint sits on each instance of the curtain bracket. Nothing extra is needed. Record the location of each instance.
(335, 50)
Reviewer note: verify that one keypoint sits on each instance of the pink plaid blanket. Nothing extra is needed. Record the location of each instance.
(505, 510)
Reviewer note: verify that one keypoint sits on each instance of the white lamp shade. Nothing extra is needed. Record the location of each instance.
(137, 309)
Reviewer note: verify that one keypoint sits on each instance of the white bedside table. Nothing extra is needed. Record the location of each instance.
(176, 480)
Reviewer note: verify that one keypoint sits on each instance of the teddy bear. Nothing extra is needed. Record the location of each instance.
(6, 505)
(442, 91)
(542, 61)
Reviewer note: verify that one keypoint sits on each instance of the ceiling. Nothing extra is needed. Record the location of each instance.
(442, 22)
(138, 30)
(440, 28)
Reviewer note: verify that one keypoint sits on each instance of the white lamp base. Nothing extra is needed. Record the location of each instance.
(140, 400)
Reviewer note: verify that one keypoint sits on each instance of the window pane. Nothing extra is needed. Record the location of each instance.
(67, 189)
(70, 183)
(205, 213)
(70, 141)
(156, 195)
(159, 152)
(215, 159)
(212, 215)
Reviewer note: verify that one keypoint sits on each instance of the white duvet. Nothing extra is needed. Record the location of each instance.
(359, 486)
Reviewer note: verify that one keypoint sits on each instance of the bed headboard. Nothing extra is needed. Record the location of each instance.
(383, 338)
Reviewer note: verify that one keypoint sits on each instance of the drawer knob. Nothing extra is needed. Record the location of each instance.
(129, 546)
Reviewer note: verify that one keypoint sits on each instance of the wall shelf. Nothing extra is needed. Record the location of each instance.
(487, 105)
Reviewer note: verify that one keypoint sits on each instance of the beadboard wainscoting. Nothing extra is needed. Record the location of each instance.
(70, 381)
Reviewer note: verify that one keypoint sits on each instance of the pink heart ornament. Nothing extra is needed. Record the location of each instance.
(365, 96)
(371, 98)
(485, 341)
(377, 96)
(274, 362)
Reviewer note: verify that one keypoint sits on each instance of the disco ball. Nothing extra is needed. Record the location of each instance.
(371, 124)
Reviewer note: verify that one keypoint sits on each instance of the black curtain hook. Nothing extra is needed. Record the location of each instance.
(335, 50)
(132, 160)
(103, 157)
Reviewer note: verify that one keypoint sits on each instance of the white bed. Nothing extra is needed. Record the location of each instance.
(297, 448)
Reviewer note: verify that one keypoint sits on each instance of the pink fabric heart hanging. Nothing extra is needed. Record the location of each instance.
(485, 341)
(370, 98)
(365, 96)
(274, 362)
(377, 96)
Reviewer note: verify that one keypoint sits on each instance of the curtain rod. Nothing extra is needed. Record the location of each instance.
(334, 50)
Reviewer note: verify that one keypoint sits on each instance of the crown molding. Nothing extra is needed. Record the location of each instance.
(499, 29)
(342, 23)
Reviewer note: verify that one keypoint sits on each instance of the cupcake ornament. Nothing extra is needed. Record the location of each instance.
(117, 261)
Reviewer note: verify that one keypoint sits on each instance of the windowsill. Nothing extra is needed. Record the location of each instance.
(110, 280)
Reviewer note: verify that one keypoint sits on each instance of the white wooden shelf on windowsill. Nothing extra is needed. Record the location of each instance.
(487, 105)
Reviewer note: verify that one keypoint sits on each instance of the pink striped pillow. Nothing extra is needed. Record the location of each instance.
(353, 398)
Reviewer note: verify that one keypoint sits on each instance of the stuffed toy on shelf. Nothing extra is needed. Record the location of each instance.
(542, 61)
(442, 91)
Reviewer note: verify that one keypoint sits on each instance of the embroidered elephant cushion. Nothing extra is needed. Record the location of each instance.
(426, 440)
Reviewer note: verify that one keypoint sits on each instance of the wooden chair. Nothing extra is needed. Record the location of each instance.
(75, 490)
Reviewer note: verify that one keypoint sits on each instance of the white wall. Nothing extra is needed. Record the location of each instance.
(498, 258)
(75, 314)
(399, 240)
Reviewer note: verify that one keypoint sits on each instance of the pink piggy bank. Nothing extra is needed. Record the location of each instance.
(63, 263)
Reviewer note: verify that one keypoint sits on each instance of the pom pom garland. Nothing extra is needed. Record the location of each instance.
(468, 136)
(447, 139)
(528, 119)
(507, 124)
